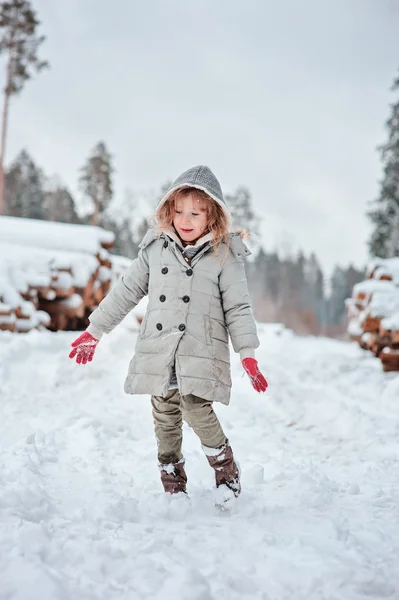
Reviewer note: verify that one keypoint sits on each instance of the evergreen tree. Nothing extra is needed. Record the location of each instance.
(342, 282)
(25, 195)
(96, 181)
(273, 275)
(19, 40)
(243, 216)
(59, 204)
(314, 290)
(336, 300)
(298, 281)
(124, 244)
(384, 240)
(256, 274)
(14, 190)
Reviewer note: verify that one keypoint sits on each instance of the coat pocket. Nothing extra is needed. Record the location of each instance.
(217, 338)
(219, 331)
(215, 331)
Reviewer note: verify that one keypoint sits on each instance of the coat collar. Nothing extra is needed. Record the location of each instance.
(200, 242)
(237, 245)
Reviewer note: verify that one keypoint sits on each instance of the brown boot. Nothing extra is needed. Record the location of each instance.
(225, 467)
(173, 477)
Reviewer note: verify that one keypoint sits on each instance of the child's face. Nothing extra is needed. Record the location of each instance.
(190, 220)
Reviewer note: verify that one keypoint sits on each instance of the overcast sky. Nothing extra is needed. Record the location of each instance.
(288, 97)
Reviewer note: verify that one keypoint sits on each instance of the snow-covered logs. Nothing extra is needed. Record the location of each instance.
(51, 274)
(373, 312)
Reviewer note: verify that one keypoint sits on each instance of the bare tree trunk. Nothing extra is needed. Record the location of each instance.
(4, 123)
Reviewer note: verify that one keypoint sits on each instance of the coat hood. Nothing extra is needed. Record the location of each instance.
(200, 177)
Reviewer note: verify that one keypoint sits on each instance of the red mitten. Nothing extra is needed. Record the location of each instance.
(259, 383)
(83, 348)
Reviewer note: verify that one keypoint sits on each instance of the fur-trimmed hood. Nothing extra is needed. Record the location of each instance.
(202, 178)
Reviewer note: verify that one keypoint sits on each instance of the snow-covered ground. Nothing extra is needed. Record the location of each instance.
(82, 515)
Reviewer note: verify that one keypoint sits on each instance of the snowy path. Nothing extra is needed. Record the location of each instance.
(82, 516)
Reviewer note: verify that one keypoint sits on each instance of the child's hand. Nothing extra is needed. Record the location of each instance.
(83, 348)
(259, 383)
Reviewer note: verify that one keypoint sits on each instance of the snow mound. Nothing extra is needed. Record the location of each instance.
(46, 262)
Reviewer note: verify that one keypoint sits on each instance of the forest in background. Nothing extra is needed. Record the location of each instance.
(291, 289)
(286, 287)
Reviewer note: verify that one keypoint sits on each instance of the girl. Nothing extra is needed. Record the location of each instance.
(192, 269)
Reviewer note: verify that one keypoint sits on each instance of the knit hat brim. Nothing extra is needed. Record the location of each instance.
(198, 187)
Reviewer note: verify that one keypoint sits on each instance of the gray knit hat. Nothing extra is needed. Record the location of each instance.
(200, 177)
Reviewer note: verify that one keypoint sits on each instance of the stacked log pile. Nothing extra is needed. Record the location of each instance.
(373, 312)
(51, 274)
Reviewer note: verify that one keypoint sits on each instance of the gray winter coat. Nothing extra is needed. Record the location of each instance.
(191, 311)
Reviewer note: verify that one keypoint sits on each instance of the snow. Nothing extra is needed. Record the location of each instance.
(64, 280)
(354, 327)
(34, 250)
(381, 297)
(391, 323)
(212, 451)
(371, 286)
(7, 319)
(366, 337)
(54, 257)
(27, 308)
(82, 514)
(384, 304)
(26, 265)
(104, 274)
(43, 318)
(53, 236)
(384, 266)
(24, 325)
(74, 301)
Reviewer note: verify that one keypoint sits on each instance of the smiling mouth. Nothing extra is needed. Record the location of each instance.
(186, 230)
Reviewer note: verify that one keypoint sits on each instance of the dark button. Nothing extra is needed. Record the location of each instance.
(189, 272)
(182, 327)
(165, 270)
(165, 244)
(186, 298)
(162, 298)
(159, 326)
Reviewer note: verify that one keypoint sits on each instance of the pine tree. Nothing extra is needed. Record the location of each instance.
(19, 40)
(59, 204)
(25, 195)
(124, 244)
(339, 292)
(273, 275)
(243, 215)
(314, 280)
(342, 282)
(384, 240)
(96, 181)
(298, 281)
(14, 190)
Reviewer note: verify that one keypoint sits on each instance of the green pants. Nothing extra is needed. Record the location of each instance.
(169, 412)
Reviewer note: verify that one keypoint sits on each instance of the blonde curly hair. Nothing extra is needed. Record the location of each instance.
(218, 220)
